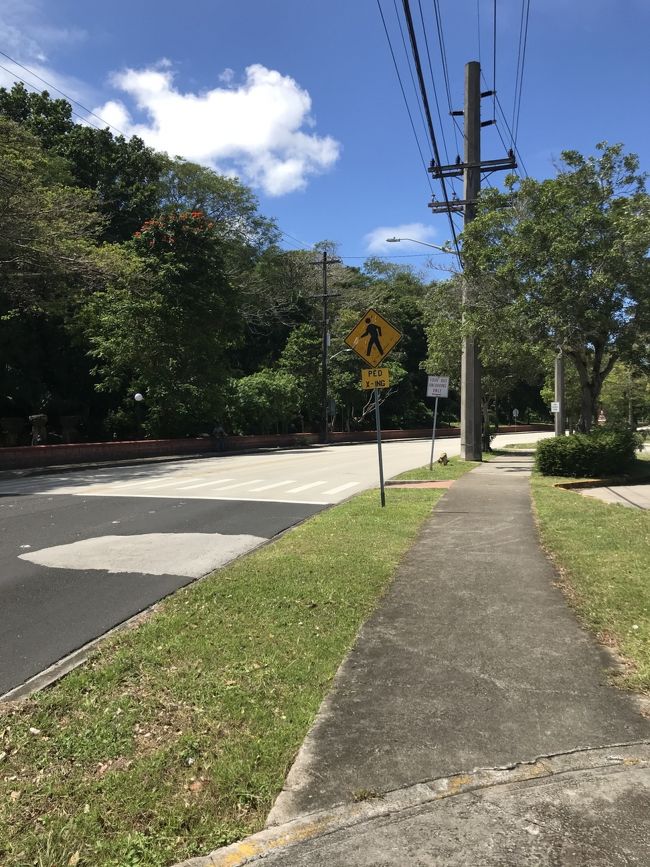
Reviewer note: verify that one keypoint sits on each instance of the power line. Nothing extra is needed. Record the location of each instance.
(443, 58)
(433, 83)
(58, 90)
(494, 60)
(408, 110)
(410, 69)
(521, 76)
(427, 111)
(521, 57)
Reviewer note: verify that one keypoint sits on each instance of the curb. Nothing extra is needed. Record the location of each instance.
(346, 816)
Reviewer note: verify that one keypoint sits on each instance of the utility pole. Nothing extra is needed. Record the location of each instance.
(325, 263)
(560, 415)
(471, 446)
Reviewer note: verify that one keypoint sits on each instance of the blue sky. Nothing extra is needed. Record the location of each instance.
(302, 101)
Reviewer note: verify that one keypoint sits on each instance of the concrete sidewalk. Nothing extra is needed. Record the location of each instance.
(472, 723)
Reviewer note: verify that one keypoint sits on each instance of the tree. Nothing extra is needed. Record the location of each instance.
(567, 259)
(166, 326)
(507, 360)
(123, 173)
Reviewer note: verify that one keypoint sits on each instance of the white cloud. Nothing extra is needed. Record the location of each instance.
(254, 127)
(376, 240)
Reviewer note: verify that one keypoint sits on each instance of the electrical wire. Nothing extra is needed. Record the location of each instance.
(445, 67)
(494, 61)
(521, 57)
(58, 90)
(427, 111)
(433, 82)
(410, 69)
(521, 76)
(408, 110)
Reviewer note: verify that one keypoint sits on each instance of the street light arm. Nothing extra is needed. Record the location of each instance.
(424, 244)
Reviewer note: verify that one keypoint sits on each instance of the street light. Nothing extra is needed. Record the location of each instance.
(424, 244)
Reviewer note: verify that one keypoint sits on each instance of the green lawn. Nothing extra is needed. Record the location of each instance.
(604, 553)
(176, 737)
(440, 472)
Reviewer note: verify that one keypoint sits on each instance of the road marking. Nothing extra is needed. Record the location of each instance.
(305, 487)
(342, 488)
(131, 484)
(237, 485)
(204, 484)
(274, 485)
(169, 484)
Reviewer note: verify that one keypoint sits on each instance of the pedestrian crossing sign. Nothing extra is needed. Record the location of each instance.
(372, 338)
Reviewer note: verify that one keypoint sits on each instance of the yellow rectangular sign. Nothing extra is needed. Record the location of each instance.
(376, 377)
(373, 337)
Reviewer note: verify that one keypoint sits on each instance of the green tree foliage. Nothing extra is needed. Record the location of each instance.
(566, 258)
(123, 173)
(507, 358)
(48, 260)
(166, 327)
(625, 398)
(265, 402)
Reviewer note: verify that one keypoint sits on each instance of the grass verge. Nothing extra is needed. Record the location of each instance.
(176, 736)
(440, 472)
(604, 554)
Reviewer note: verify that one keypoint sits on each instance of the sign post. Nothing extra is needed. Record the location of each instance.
(437, 386)
(382, 492)
(372, 338)
(515, 415)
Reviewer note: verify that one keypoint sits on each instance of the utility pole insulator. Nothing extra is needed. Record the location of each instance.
(487, 122)
(457, 113)
(485, 93)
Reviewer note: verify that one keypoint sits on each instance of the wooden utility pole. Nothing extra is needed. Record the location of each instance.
(470, 170)
(325, 263)
(471, 447)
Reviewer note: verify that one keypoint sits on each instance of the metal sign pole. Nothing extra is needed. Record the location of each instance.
(433, 434)
(381, 464)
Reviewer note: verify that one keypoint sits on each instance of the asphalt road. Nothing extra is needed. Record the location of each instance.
(85, 550)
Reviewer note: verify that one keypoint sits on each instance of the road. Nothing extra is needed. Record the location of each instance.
(85, 550)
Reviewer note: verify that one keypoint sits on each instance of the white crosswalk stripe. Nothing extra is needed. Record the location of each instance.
(305, 487)
(237, 485)
(342, 488)
(274, 485)
(204, 484)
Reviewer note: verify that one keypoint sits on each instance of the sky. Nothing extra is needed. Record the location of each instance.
(301, 99)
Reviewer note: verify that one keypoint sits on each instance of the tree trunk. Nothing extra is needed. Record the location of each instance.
(590, 385)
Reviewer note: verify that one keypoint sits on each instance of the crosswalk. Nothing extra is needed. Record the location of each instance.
(182, 485)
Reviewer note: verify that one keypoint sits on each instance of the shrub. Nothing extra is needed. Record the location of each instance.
(597, 454)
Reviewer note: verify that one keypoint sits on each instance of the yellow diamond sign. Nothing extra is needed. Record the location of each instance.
(372, 338)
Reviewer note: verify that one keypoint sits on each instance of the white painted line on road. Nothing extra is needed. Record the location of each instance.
(168, 483)
(342, 488)
(237, 485)
(204, 484)
(305, 487)
(241, 499)
(131, 484)
(274, 485)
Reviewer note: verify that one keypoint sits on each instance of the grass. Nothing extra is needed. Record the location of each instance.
(176, 736)
(440, 472)
(604, 554)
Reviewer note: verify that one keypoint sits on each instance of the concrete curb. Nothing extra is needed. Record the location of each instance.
(348, 816)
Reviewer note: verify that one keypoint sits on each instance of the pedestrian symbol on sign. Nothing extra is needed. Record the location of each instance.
(373, 332)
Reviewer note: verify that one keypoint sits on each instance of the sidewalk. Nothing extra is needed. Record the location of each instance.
(472, 723)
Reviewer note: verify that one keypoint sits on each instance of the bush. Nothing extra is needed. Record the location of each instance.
(595, 455)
